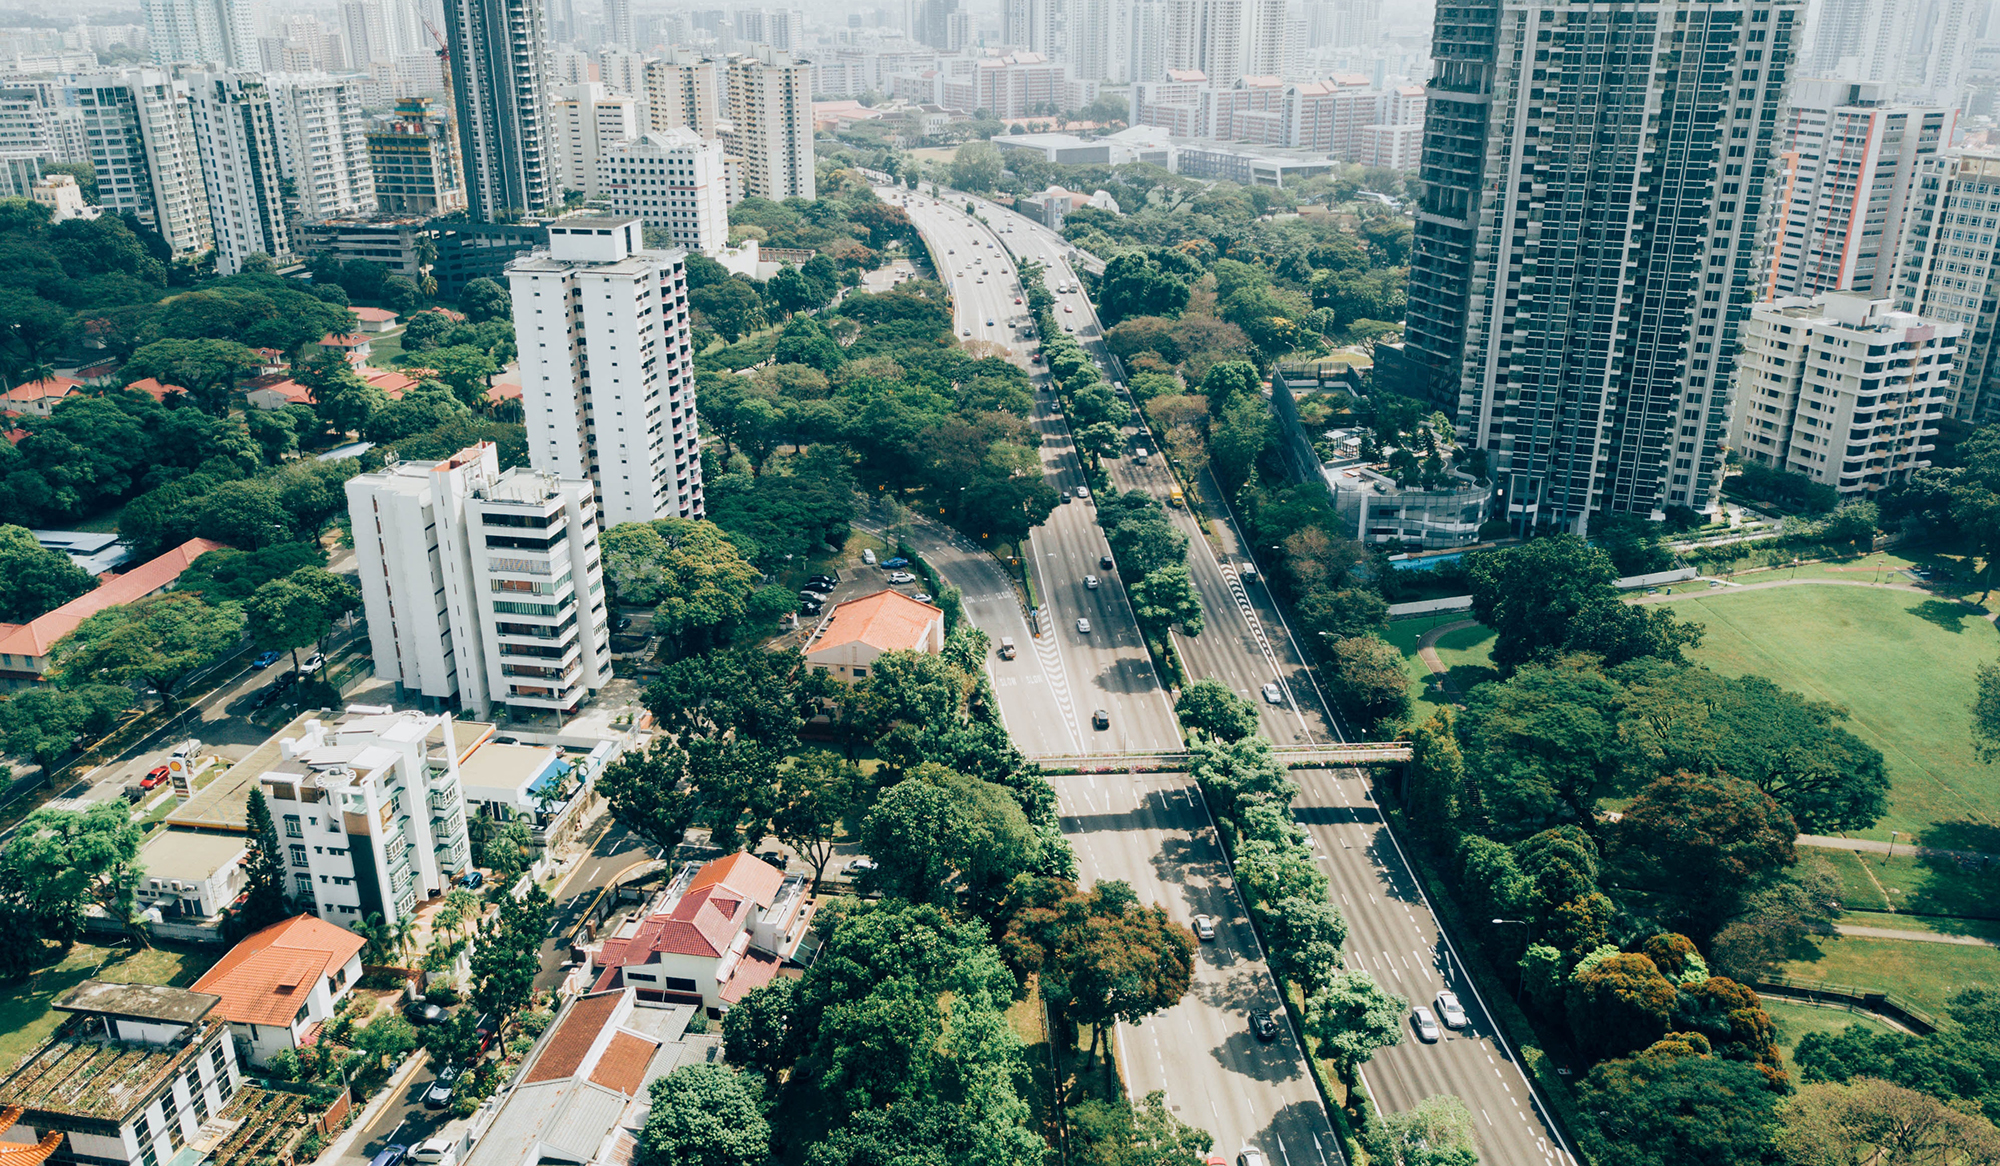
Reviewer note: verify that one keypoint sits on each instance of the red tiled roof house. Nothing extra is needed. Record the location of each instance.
(733, 925)
(279, 985)
(24, 647)
(861, 629)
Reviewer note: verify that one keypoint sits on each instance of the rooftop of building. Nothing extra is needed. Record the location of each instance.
(37, 636)
(522, 768)
(267, 978)
(57, 387)
(190, 855)
(591, 223)
(151, 1002)
(81, 1072)
(887, 620)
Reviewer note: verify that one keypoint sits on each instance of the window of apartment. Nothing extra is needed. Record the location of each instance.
(305, 885)
(292, 827)
(676, 984)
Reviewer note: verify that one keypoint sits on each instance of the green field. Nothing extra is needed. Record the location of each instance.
(1467, 653)
(1927, 975)
(1901, 665)
(26, 1018)
(1794, 1021)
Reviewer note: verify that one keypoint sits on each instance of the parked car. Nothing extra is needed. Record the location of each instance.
(263, 660)
(390, 1156)
(868, 556)
(1083, 491)
(421, 1012)
(433, 1152)
(827, 579)
(1273, 694)
(624, 621)
(819, 584)
(1450, 1010)
(153, 779)
(1204, 927)
(922, 597)
(472, 880)
(860, 866)
(312, 664)
(1263, 1026)
(901, 577)
(1100, 719)
(285, 680)
(1425, 1024)
(1083, 627)
(893, 564)
(439, 1094)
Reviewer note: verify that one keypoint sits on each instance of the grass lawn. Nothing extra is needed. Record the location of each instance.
(1794, 1021)
(26, 1018)
(1929, 893)
(1927, 975)
(1467, 654)
(383, 351)
(1900, 664)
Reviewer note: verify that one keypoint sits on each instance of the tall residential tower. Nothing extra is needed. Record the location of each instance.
(506, 130)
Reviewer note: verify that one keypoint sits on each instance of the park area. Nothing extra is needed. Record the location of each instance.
(1900, 662)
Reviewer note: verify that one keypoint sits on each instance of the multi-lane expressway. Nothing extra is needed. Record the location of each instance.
(1153, 831)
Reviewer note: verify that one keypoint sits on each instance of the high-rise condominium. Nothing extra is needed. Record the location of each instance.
(674, 180)
(1030, 24)
(1948, 269)
(770, 102)
(322, 144)
(499, 54)
(1593, 177)
(1847, 161)
(142, 145)
(365, 23)
(680, 92)
(1208, 35)
(236, 133)
(1842, 389)
(618, 24)
(1920, 47)
(202, 32)
(483, 587)
(589, 123)
(607, 367)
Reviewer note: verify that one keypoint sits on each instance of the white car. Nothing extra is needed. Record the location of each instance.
(901, 577)
(1083, 627)
(860, 865)
(1090, 581)
(1450, 1010)
(1067, 308)
(1204, 927)
(1249, 1156)
(1083, 491)
(1273, 694)
(1425, 1024)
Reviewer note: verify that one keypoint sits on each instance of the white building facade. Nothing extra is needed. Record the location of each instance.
(323, 144)
(607, 367)
(590, 121)
(142, 144)
(236, 134)
(483, 587)
(673, 179)
(770, 103)
(1948, 270)
(1842, 388)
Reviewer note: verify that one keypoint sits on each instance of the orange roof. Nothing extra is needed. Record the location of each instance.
(887, 620)
(26, 1153)
(754, 970)
(744, 873)
(155, 389)
(378, 315)
(622, 1064)
(287, 388)
(267, 978)
(46, 387)
(351, 340)
(37, 636)
(570, 1043)
(391, 382)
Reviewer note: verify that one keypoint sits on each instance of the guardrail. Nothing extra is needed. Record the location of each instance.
(1882, 1003)
(1294, 757)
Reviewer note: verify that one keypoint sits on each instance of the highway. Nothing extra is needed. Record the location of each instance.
(1105, 668)
(1393, 933)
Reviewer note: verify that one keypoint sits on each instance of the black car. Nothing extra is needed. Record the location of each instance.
(829, 580)
(285, 680)
(1263, 1025)
(439, 1094)
(423, 1012)
(1104, 563)
(820, 584)
(1100, 719)
(624, 621)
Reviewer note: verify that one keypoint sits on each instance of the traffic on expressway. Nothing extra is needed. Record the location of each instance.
(1152, 830)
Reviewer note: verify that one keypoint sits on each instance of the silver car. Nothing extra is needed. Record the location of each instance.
(1425, 1024)
(1273, 694)
(1449, 1010)
(1083, 627)
(1204, 927)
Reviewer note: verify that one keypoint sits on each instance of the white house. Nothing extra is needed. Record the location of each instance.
(711, 937)
(278, 986)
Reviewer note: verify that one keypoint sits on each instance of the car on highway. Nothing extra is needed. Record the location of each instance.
(1204, 927)
(1067, 308)
(1105, 562)
(965, 332)
(989, 323)
(422, 1012)
(1263, 1026)
(1273, 694)
(439, 1094)
(1083, 491)
(264, 660)
(901, 577)
(1017, 299)
(1450, 1010)
(1083, 627)
(1425, 1024)
(153, 779)
(1249, 1156)
(1100, 719)
(1090, 581)
(898, 561)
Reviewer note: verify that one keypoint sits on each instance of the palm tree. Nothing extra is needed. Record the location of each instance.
(40, 370)
(403, 935)
(376, 932)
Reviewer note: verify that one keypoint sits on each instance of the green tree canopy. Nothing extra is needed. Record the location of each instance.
(35, 580)
(156, 640)
(1555, 596)
(1210, 706)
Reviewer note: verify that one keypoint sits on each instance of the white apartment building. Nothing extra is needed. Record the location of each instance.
(365, 23)
(1207, 35)
(142, 144)
(590, 122)
(63, 197)
(1920, 47)
(1847, 161)
(323, 144)
(1948, 270)
(607, 367)
(783, 29)
(369, 812)
(1841, 388)
(483, 588)
(624, 72)
(214, 33)
(681, 93)
(672, 179)
(35, 122)
(770, 102)
(236, 134)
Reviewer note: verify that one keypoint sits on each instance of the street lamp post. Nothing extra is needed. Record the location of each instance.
(1519, 975)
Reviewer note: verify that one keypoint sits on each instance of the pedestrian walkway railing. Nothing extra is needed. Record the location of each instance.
(1293, 756)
